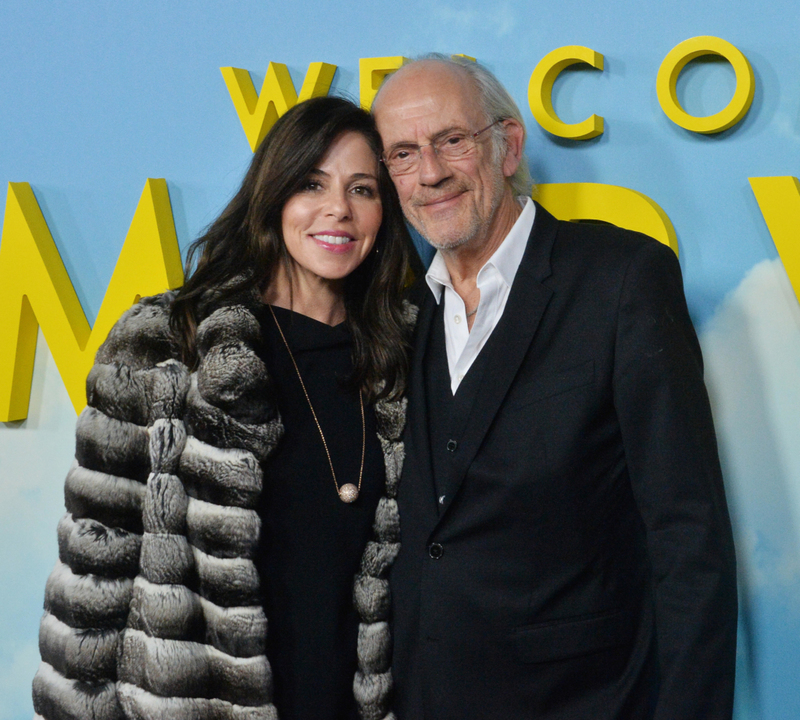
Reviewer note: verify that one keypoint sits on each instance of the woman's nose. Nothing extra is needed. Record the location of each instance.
(339, 204)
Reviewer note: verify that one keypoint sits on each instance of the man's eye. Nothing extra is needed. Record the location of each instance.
(452, 141)
(401, 154)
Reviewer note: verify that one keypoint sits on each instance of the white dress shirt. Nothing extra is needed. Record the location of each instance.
(494, 281)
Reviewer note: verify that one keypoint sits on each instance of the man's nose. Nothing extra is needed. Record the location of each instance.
(432, 169)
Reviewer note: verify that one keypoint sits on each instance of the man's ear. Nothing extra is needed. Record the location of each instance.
(515, 142)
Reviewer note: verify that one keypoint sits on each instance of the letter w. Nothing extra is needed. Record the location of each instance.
(258, 113)
(35, 290)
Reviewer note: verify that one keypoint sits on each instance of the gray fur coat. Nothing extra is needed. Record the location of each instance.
(152, 610)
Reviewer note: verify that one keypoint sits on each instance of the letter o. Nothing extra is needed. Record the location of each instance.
(677, 59)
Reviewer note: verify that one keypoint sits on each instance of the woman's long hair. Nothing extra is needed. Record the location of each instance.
(241, 249)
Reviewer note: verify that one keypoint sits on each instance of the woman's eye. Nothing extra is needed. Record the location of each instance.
(365, 190)
(310, 186)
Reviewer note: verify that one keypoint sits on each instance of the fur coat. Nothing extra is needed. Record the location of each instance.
(153, 609)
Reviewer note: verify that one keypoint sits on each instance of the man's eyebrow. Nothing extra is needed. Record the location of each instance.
(434, 138)
(449, 131)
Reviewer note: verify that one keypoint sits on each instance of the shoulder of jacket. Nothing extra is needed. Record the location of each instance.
(136, 376)
(142, 336)
(604, 248)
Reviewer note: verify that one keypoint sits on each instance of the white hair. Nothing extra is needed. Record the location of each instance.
(496, 104)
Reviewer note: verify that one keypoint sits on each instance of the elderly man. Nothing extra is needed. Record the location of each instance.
(566, 546)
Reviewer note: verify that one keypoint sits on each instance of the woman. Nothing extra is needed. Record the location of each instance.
(239, 459)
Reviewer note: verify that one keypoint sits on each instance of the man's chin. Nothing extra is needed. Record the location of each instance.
(446, 245)
(442, 238)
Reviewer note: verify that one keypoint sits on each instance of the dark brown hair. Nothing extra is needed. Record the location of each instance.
(242, 248)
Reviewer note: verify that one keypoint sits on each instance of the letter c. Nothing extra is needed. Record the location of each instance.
(540, 91)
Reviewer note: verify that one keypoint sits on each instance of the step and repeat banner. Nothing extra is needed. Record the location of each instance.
(127, 128)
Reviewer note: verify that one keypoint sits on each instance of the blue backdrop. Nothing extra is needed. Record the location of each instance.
(96, 97)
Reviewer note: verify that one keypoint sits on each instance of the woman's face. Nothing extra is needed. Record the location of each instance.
(330, 224)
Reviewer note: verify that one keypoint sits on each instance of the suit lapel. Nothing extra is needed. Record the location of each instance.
(419, 448)
(507, 345)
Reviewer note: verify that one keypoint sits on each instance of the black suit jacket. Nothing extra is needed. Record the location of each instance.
(581, 563)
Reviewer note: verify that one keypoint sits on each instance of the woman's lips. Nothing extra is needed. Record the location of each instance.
(336, 242)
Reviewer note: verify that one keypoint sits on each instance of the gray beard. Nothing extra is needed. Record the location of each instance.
(476, 227)
(444, 246)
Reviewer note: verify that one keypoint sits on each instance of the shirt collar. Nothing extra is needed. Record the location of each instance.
(506, 259)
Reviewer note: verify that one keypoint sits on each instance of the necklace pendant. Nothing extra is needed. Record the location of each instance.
(348, 493)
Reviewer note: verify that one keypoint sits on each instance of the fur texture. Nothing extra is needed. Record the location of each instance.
(153, 608)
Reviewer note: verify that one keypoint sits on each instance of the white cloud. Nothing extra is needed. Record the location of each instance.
(18, 663)
(37, 452)
(34, 458)
(496, 21)
(752, 352)
(785, 126)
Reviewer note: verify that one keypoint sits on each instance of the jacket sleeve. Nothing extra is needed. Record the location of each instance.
(671, 452)
(88, 593)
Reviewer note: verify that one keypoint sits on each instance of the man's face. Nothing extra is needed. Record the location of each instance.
(450, 202)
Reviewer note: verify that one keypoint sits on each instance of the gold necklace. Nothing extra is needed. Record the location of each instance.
(348, 492)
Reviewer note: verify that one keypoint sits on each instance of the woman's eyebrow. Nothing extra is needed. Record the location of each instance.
(317, 173)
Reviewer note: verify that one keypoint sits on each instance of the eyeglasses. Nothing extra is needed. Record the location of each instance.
(403, 159)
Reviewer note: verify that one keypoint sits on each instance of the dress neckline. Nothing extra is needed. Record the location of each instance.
(304, 332)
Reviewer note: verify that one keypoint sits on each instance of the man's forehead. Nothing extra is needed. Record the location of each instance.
(427, 99)
(416, 106)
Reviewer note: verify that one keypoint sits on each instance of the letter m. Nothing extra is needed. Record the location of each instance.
(35, 290)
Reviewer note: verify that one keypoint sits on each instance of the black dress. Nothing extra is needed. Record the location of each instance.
(312, 542)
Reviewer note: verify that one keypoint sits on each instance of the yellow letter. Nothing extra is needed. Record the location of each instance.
(540, 92)
(36, 290)
(371, 72)
(676, 60)
(779, 201)
(258, 113)
(608, 203)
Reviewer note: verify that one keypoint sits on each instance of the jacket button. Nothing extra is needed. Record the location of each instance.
(452, 445)
(435, 550)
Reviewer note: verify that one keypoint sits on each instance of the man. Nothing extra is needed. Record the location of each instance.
(566, 547)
